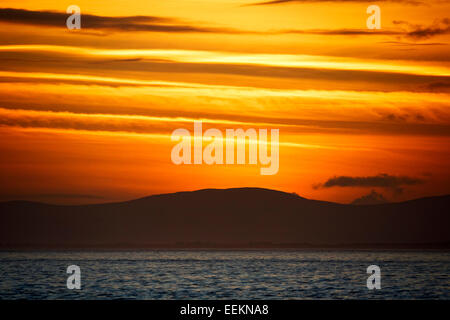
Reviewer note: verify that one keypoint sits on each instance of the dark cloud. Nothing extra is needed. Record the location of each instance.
(414, 32)
(275, 2)
(420, 32)
(406, 44)
(54, 117)
(99, 25)
(372, 198)
(342, 79)
(88, 21)
(402, 116)
(342, 32)
(438, 87)
(411, 31)
(381, 180)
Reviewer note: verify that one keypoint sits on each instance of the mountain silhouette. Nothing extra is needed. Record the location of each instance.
(239, 217)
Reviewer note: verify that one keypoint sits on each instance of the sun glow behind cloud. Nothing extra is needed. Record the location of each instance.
(278, 60)
(103, 105)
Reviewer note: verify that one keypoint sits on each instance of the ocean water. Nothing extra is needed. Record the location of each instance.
(198, 274)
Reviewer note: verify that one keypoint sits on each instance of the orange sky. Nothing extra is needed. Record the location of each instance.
(86, 115)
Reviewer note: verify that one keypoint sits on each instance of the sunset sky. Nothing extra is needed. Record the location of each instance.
(86, 115)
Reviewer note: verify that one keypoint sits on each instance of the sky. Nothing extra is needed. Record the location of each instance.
(86, 116)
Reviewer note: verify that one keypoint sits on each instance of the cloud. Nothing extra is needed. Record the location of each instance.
(99, 25)
(438, 87)
(420, 32)
(342, 32)
(275, 2)
(405, 44)
(381, 180)
(413, 32)
(372, 198)
(122, 117)
(414, 79)
(94, 22)
(402, 116)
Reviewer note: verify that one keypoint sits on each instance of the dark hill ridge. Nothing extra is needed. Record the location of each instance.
(241, 217)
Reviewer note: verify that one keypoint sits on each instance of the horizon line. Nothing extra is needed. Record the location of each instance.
(212, 189)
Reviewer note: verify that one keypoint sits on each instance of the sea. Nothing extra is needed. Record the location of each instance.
(225, 274)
